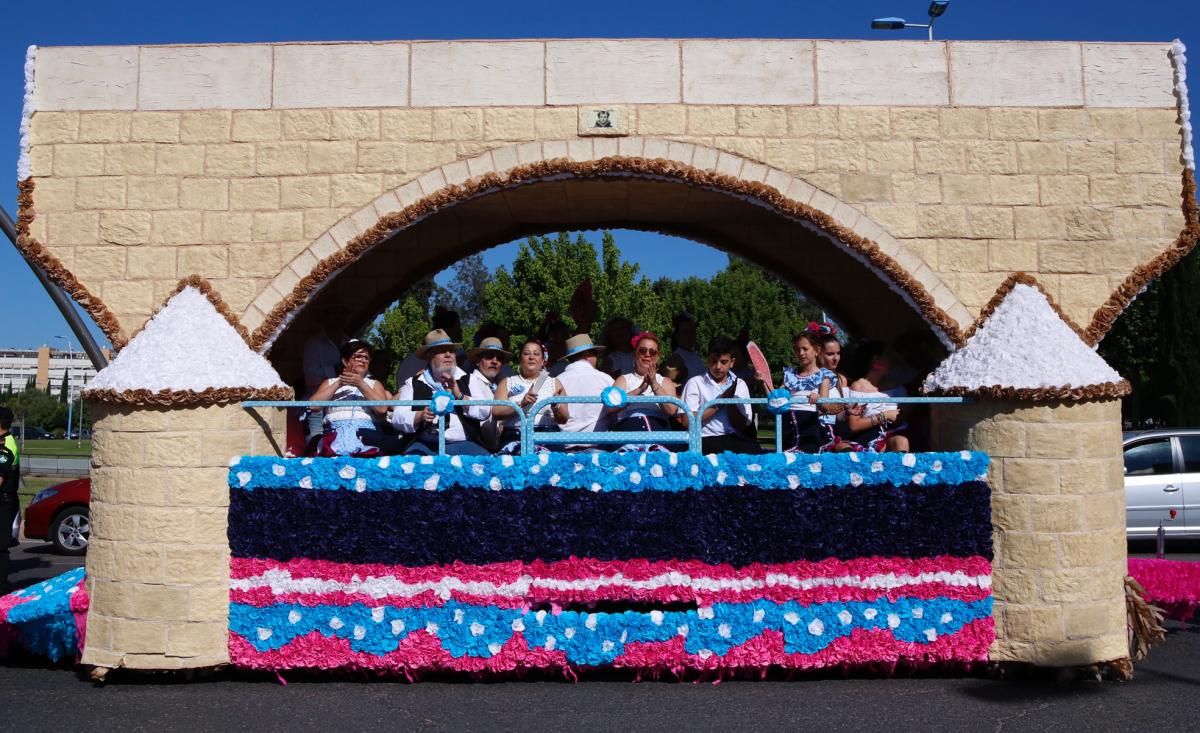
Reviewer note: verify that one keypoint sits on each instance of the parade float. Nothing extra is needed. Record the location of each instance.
(202, 203)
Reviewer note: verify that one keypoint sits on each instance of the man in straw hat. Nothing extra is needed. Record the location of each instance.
(489, 359)
(581, 378)
(462, 426)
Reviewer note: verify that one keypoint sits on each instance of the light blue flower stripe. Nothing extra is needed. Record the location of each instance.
(599, 638)
(633, 471)
(45, 623)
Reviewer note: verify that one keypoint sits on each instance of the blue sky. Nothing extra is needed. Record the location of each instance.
(31, 319)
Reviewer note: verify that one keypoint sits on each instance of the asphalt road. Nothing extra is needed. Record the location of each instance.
(1163, 696)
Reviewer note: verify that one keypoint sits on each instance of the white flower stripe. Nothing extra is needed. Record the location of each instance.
(282, 582)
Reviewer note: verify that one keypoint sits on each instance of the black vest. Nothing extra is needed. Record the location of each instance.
(422, 391)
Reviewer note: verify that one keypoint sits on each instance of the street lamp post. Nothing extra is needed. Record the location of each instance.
(936, 9)
(67, 378)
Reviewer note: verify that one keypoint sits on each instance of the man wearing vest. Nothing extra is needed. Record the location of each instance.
(462, 426)
(10, 479)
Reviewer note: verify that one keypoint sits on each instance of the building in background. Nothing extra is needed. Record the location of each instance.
(46, 366)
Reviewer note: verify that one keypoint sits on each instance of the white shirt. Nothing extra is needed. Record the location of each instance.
(581, 379)
(632, 382)
(701, 389)
(694, 363)
(350, 394)
(404, 418)
(518, 386)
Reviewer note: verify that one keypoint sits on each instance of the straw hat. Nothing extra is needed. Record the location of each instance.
(580, 343)
(490, 343)
(434, 339)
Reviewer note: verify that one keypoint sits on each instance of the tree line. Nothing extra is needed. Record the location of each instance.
(740, 299)
(45, 408)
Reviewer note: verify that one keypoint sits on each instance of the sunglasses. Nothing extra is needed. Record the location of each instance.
(647, 352)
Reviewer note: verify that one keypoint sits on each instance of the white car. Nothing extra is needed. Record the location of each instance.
(1162, 472)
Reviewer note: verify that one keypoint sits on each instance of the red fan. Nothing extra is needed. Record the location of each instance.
(759, 360)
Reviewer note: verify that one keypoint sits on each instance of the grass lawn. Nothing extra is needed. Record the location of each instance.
(57, 448)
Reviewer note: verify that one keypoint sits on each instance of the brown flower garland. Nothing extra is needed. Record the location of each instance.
(57, 272)
(609, 166)
(1143, 275)
(187, 397)
(1092, 392)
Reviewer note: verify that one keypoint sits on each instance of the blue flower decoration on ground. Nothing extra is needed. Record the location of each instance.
(614, 397)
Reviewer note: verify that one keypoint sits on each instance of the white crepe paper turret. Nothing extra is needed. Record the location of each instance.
(1023, 349)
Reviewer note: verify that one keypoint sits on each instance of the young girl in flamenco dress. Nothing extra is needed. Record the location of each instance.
(806, 381)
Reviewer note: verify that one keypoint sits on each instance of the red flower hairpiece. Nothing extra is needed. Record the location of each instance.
(823, 329)
(641, 336)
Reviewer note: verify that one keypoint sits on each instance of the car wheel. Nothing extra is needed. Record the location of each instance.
(70, 531)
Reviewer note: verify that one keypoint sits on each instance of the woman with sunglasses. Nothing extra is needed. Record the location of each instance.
(645, 381)
(528, 385)
(351, 430)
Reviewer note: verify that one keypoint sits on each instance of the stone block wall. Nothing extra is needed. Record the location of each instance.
(158, 563)
(1058, 159)
(1058, 513)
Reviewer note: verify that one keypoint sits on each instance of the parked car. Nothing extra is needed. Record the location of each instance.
(1162, 472)
(59, 514)
(30, 432)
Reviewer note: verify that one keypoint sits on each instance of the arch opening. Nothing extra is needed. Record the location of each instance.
(848, 283)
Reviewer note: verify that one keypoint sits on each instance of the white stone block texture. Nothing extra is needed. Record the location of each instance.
(906, 73)
(580, 72)
(205, 77)
(82, 78)
(341, 75)
(461, 74)
(748, 72)
(1016, 74)
(1128, 75)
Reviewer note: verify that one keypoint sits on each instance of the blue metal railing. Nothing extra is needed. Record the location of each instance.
(530, 438)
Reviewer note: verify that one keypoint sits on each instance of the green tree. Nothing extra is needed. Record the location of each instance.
(1179, 315)
(62, 389)
(1134, 347)
(544, 274)
(465, 291)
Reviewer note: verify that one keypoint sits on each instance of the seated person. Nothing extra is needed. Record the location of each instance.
(462, 426)
(525, 387)
(581, 378)
(646, 381)
(351, 430)
(724, 428)
(806, 382)
(490, 362)
(878, 427)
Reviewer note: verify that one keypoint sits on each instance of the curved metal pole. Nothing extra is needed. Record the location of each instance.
(65, 305)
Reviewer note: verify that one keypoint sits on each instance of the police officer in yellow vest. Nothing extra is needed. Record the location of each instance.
(10, 479)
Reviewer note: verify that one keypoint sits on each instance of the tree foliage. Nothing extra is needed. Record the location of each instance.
(546, 271)
(465, 291)
(37, 408)
(1155, 344)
